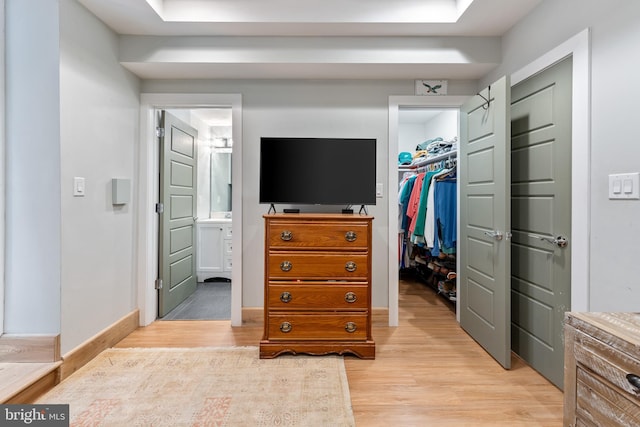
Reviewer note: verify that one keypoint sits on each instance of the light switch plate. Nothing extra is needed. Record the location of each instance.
(379, 190)
(78, 186)
(624, 186)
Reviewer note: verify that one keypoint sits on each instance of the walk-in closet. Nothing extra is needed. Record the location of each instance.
(427, 198)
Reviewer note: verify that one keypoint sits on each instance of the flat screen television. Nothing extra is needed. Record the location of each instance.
(318, 171)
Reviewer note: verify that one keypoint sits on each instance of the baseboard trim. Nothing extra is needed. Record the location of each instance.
(15, 348)
(380, 316)
(107, 338)
(252, 316)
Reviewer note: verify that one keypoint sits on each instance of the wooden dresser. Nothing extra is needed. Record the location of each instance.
(602, 369)
(317, 286)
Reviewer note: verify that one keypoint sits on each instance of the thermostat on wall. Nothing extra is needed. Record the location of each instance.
(120, 191)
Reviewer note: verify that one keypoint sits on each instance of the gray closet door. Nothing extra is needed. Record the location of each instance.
(541, 211)
(485, 252)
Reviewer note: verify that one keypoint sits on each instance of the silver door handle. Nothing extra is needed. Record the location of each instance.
(494, 234)
(559, 241)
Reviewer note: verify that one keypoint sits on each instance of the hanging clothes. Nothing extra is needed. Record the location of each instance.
(414, 201)
(445, 214)
(404, 194)
(406, 186)
(427, 212)
(417, 235)
(430, 221)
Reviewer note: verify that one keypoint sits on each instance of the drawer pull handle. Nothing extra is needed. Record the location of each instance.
(350, 266)
(286, 235)
(285, 297)
(350, 236)
(350, 327)
(634, 380)
(285, 327)
(286, 266)
(350, 297)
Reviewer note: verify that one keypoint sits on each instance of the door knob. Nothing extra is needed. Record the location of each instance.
(495, 234)
(559, 241)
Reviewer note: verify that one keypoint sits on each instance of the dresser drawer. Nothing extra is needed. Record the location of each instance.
(318, 326)
(318, 296)
(321, 235)
(599, 404)
(308, 265)
(609, 363)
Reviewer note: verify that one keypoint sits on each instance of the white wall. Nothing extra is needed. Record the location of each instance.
(409, 136)
(2, 164)
(304, 108)
(615, 37)
(32, 292)
(99, 102)
(443, 125)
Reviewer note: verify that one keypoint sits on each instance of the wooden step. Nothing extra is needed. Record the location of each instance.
(24, 382)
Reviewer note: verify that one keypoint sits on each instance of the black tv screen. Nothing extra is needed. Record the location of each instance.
(318, 171)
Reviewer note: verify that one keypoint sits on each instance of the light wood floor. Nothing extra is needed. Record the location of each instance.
(427, 371)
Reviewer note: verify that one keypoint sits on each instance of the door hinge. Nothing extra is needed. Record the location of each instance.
(158, 283)
(159, 208)
(160, 132)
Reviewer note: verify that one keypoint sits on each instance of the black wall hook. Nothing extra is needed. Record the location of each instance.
(487, 103)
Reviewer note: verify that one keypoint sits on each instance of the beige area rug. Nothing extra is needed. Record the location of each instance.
(205, 387)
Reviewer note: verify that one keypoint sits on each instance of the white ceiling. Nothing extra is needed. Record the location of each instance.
(311, 17)
(439, 22)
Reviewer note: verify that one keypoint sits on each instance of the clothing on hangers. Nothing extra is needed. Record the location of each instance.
(429, 231)
(445, 213)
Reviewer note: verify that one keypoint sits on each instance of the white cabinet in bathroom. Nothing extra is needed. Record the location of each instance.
(213, 248)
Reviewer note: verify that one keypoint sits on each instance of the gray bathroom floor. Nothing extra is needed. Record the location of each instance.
(210, 301)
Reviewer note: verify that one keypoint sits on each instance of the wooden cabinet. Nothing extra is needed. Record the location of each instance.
(214, 249)
(602, 369)
(317, 290)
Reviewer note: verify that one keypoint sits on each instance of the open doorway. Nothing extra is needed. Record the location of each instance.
(211, 297)
(427, 192)
(406, 105)
(148, 195)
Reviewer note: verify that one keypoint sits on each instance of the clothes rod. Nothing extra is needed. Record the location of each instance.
(429, 160)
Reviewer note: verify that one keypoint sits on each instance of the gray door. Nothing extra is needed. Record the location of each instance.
(485, 198)
(541, 211)
(177, 261)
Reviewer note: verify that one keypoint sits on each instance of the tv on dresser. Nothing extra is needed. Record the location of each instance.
(317, 171)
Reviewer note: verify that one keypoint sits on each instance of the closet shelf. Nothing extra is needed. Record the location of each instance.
(424, 161)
